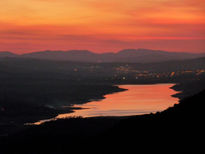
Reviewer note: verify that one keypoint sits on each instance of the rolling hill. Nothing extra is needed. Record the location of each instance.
(124, 56)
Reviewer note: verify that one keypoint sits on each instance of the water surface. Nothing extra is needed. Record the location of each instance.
(138, 99)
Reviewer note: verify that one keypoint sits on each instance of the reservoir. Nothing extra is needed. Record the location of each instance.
(136, 100)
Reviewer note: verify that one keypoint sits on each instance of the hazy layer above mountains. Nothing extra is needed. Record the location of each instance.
(127, 55)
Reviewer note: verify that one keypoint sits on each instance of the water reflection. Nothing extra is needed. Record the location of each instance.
(138, 99)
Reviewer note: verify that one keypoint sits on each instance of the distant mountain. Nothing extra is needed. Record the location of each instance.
(127, 55)
(72, 55)
(146, 56)
(4, 54)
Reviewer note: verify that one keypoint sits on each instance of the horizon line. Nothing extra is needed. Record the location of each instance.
(68, 50)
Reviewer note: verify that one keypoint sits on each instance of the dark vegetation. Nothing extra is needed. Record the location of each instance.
(33, 89)
(179, 129)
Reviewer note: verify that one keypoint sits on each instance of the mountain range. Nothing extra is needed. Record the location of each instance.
(127, 55)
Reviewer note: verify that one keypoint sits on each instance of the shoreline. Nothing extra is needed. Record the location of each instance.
(103, 97)
(70, 109)
(113, 89)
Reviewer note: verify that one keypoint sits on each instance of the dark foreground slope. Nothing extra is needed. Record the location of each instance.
(176, 130)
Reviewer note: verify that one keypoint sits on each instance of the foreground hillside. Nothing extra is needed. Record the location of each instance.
(179, 129)
(176, 130)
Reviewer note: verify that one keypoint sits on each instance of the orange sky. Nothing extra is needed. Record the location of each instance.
(102, 26)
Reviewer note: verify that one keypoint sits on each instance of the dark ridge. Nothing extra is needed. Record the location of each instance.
(7, 54)
(125, 56)
(178, 129)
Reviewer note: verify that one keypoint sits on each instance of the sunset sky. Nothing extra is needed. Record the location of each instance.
(102, 25)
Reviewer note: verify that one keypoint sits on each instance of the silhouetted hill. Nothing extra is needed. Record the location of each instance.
(6, 54)
(35, 88)
(73, 55)
(145, 55)
(14, 66)
(178, 129)
(125, 56)
(129, 55)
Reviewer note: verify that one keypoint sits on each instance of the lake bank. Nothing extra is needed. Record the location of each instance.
(12, 124)
(136, 100)
(14, 115)
(169, 129)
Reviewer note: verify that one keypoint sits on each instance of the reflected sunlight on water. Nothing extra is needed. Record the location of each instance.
(138, 99)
